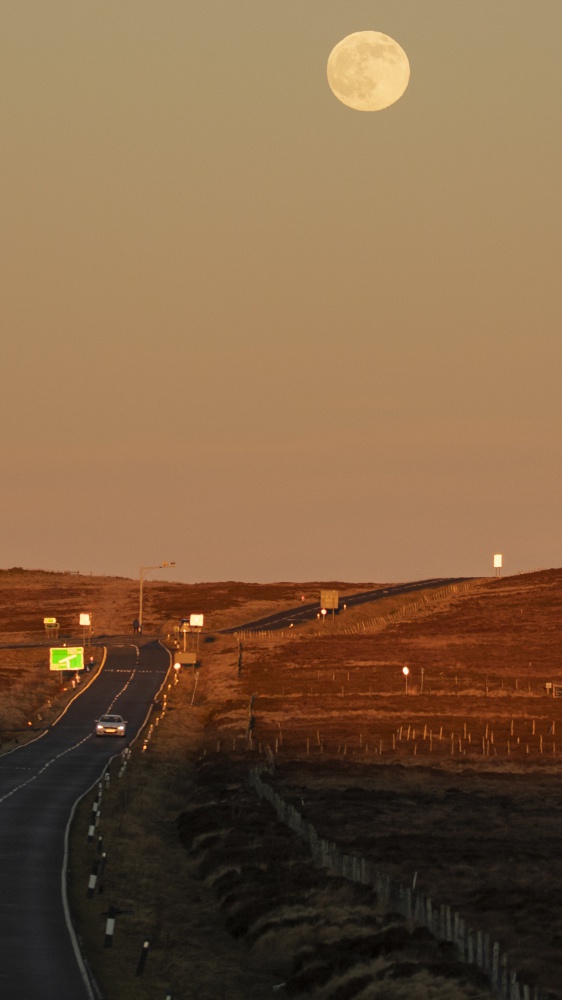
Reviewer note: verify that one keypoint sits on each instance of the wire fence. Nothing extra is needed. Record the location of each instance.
(371, 624)
(472, 946)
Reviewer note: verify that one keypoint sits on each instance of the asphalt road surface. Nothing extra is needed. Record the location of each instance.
(39, 785)
(306, 612)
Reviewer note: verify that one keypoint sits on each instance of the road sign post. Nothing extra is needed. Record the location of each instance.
(196, 625)
(185, 629)
(51, 627)
(193, 624)
(66, 658)
(86, 625)
(185, 660)
(330, 600)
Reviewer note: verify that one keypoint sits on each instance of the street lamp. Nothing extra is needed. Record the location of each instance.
(143, 570)
(405, 671)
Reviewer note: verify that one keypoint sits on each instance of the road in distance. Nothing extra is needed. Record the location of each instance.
(306, 612)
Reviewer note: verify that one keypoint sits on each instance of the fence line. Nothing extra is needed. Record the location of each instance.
(472, 946)
(380, 621)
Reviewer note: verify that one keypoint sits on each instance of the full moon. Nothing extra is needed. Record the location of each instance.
(368, 71)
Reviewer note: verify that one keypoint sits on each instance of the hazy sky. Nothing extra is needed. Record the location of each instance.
(252, 330)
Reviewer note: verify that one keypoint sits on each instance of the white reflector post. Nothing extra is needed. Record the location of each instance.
(406, 671)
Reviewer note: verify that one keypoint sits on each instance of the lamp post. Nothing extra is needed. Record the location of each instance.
(143, 570)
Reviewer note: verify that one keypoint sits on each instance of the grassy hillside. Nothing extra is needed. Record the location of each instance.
(451, 784)
(28, 596)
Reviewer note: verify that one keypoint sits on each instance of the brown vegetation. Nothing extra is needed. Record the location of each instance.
(27, 596)
(453, 783)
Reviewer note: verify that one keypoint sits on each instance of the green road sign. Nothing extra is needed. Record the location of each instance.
(67, 658)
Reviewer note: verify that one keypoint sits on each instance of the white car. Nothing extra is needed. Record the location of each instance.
(110, 725)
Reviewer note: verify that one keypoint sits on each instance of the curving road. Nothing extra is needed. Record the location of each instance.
(39, 785)
(306, 612)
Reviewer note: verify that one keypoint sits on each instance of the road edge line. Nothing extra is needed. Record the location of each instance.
(65, 709)
(94, 992)
(166, 675)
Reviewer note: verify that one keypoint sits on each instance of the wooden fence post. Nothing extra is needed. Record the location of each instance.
(504, 985)
(461, 940)
(479, 950)
(429, 914)
(496, 965)
(470, 946)
(486, 965)
(473, 946)
(514, 991)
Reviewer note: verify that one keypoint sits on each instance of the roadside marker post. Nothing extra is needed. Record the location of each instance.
(405, 671)
(142, 958)
(92, 880)
(110, 927)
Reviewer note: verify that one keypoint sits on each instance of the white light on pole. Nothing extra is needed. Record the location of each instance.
(406, 671)
(143, 570)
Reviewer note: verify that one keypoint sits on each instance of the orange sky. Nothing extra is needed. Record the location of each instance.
(254, 331)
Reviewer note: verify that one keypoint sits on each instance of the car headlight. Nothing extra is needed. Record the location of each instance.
(121, 728)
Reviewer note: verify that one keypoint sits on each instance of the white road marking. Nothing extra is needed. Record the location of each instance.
(122, 691)
(44, 768)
